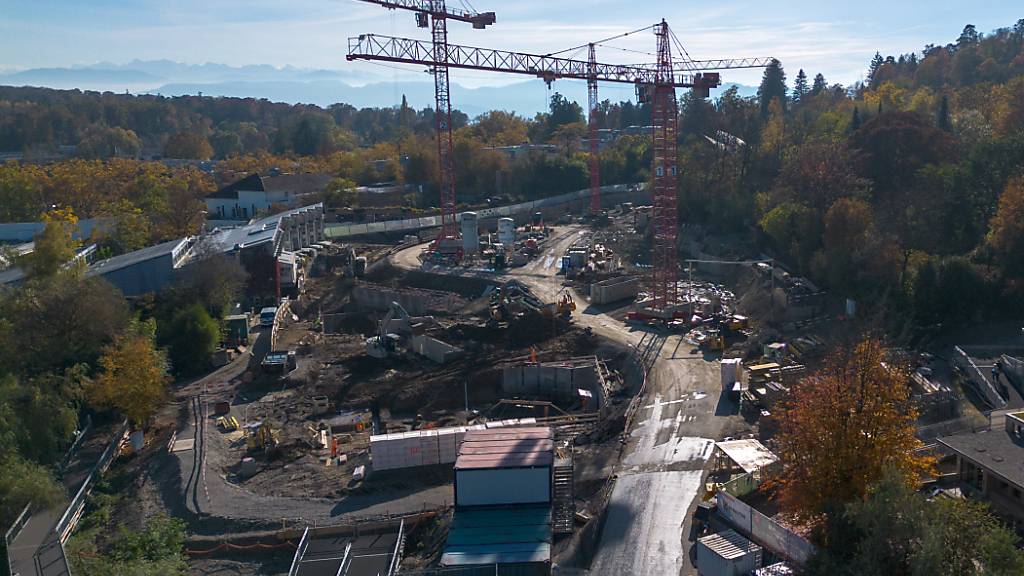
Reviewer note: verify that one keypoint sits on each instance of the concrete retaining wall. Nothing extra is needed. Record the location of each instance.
(550, 379)
(415, 302)
(434, 349)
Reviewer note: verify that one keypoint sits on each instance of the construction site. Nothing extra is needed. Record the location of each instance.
(577, 386)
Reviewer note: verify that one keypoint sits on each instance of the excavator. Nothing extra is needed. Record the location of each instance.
(261, 436)
(514, 299)
(396, 322)
(396, 325)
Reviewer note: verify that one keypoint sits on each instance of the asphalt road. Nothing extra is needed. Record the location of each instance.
(661, 472)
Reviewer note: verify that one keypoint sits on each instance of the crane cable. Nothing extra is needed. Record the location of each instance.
(587, 45)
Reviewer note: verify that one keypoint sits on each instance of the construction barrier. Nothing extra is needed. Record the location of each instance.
(763, 530)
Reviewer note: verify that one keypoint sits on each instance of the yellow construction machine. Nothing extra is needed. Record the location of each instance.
(261, 436)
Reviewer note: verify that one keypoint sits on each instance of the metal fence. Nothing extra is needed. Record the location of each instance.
(299, 551)
(981, 382)
(13, 532)
(74, 510)
(411, 224)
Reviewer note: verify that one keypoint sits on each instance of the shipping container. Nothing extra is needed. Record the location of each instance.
(730, 372)
(614, 289)
(727, 554)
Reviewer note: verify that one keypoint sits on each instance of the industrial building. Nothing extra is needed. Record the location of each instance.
(990, 467)
(151, 269)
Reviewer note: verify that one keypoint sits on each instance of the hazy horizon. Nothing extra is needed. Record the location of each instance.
(837, 41)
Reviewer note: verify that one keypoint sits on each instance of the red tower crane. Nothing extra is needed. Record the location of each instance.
(595, 158)
(664, 215)
(439, 14)
(654, 84)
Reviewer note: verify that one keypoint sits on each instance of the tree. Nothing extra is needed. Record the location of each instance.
(102, 142)
(849, 232)
(968, 36)
(40, 414)
(820, 172)
(57, 324)
(1007, 228)
(340, 193)
(192, 336)
(563, 111)
(943, 114)
(129, 229)
(800, 89)
(773, 87)
(21, 192)
(226, 143)
(897, 144)
(855, 121)
(214, 281)
(158, 549)
(188, 145)
(22, 482)
(842, 427)
(876, 63)
(820, 85)
(133, 378)
(896, 531)
(55, 246)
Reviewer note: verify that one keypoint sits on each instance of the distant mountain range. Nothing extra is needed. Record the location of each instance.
(297, 85)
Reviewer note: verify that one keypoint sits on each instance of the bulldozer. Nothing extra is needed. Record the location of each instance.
(713, 341)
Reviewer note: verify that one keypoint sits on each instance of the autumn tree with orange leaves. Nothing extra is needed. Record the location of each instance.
(842, 427)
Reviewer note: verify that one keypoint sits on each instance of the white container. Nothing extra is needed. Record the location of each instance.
(507, 232)
(730, 372)
(614, 289)
(470, 233)
(727, 554)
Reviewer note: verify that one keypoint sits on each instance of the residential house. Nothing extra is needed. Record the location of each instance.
(255, 194)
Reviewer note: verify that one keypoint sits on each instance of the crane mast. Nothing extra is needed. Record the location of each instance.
(443, 124)
(664, 115)
(595, 159)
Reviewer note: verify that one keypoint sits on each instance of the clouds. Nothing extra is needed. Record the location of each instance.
(816, 36)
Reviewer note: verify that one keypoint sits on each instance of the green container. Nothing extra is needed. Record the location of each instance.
(237, 329)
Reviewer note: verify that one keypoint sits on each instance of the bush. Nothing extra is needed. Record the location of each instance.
(192, 338)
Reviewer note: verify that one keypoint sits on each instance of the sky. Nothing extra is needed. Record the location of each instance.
(834, 38)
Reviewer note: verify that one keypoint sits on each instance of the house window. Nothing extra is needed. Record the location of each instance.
(1016, 493)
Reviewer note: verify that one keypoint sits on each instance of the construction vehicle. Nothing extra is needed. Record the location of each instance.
(227, 423)
(261, 436)
(386, 340)
(565, 306)
(712, 340)
(736, 323)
